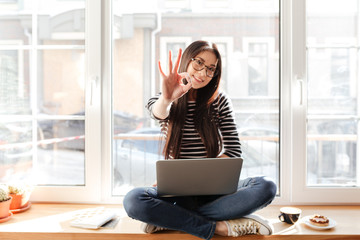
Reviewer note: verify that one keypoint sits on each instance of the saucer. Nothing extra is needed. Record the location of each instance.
(332, 223)
(6, 218)
(23, 209)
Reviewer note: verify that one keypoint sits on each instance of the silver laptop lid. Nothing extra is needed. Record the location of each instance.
(193, 177)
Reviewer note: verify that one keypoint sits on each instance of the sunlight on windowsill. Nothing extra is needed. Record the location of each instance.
(52, 221)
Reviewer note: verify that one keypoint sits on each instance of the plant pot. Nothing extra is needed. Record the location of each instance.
(19, 200)
(5, 208)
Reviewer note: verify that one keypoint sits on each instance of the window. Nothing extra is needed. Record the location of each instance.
(75, 76)
(13, 85)
(331, 134)
(328, 107)
(43, 98)
(172, 44)
(226, 49)
(259, 64)
(139, 45)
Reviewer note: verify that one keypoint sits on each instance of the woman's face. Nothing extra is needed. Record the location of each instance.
(199, 78)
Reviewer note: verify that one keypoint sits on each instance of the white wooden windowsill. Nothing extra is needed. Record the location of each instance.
(52, 221)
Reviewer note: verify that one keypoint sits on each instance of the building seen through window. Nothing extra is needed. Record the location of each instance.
(43, 86)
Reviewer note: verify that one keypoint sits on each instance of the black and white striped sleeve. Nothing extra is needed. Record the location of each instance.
(231, 141)
(150, 105)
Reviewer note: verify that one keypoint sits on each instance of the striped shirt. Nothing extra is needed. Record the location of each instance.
(191, 144)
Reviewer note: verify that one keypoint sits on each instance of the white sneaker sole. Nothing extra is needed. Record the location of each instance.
(150, 228)
(267, 228)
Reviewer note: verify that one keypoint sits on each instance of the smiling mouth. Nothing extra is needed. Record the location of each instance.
(198, 79)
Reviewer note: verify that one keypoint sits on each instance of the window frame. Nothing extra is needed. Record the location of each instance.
(292, 115)
(300, 192)
(91, 191)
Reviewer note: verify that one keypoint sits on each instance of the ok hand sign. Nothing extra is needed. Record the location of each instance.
(172, 85)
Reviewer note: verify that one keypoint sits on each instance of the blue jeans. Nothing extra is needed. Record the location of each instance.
(197, 215)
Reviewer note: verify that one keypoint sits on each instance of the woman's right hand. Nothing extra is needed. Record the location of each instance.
(172, 85)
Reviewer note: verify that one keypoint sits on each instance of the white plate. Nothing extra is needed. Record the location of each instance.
(332, 223)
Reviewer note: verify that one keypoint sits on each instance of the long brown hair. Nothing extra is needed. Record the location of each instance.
(204, 117)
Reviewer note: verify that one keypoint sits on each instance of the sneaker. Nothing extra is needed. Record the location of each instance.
(150, 228)
(250, 224)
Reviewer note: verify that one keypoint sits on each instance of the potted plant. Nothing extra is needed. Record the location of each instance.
(20, 194)
(5, 201)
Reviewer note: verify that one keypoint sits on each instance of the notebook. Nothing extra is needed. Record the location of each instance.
(195, 177)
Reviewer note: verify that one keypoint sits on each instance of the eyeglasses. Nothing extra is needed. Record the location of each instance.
(199, 65)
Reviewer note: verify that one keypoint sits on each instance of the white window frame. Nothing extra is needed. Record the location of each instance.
(285, 105)
(300, 193)
(91, 191)
(107, 103)
(293, 188)
(293, 114)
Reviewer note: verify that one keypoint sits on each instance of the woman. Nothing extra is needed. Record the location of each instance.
(198, 122)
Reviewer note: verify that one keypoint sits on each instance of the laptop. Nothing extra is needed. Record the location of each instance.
(195, 177)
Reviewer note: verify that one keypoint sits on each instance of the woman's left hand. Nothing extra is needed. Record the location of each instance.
(172, 84)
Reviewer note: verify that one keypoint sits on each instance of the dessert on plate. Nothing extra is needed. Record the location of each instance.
(319, 220)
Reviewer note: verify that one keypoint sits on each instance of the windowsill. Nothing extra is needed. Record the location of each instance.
(52, 221)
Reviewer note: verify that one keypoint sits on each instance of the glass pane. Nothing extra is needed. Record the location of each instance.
(331, 152)
(14, 82)
(333, 110)
(249, 46)
(16, 150)
(331, 82)
(42, 92)
(60, 152)
(61, 82)
(61, 22)
(341, 18)
(15, 16)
